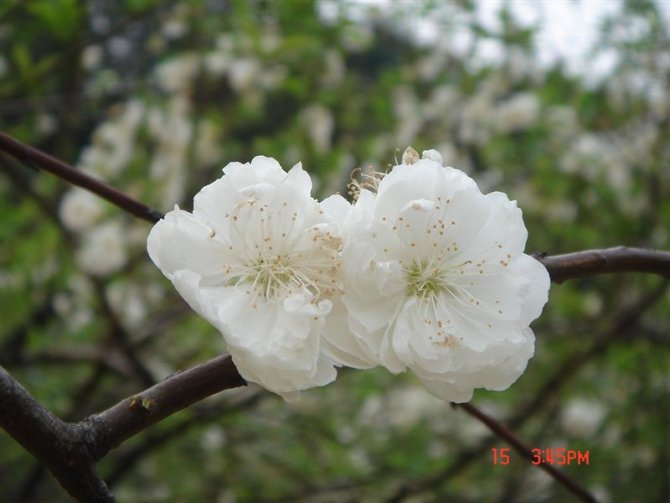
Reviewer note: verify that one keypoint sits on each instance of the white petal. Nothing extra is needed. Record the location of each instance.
(502, 237)
(179, 241)
(260, 169)
(433, 155)
(505, 373)
(535, 293)
(446, 387)
(337, 207)
(341, 345)
(282, 380)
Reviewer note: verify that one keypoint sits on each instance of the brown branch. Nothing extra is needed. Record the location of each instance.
(37, 158)
(80, 399)
(69, 450)
(136, 413)
(604, 261)
(200, 414)
(500, 431)
(60, 446)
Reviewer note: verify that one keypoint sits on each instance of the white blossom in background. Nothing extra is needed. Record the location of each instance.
(242, 72)
(217, 61)
(599, 156)
(91, 57)
(405, 105)
(178, 74)
(335, 68)
(564, 123)
(72, 303)
(319, 123)
(536, 485)
(208, 148)
(172, 131)
(444, 105)
(430, 66)
(520, 67)
(213, 438)
(119, 47)
(3, 66)
(474, 120)
(407, 405)
(435, 280)
(46, 123)
(560, 210)
(103, 250)
(582, 418)
(259, 259)
(517, 113)
(127, 301)
(113, 142)
(584, 156)
(356, 37)
(174, 29)
(272, 77)
(80, 209)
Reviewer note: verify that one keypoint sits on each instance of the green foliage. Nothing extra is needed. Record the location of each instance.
(181, 88)
(59, 17)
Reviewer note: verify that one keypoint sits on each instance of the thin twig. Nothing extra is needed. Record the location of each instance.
(36, 158)
(502, 432)
(604, 261)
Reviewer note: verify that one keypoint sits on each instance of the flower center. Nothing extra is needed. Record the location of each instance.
(276, 258)
(275, 277)
(425, 280)
(312, 269)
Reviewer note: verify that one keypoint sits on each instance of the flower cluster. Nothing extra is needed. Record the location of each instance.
(422, 272)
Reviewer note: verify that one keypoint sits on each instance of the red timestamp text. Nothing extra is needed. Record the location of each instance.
(549, 456)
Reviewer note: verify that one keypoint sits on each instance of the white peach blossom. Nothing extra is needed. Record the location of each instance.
(259, 259)
(436, 281)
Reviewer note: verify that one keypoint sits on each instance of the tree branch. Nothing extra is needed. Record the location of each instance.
(136, 413)
(200, 414)
(604, 261)
(69, 450)
(36, 158)
(60, 446)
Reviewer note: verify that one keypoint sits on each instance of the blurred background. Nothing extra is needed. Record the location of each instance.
(564, 105)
